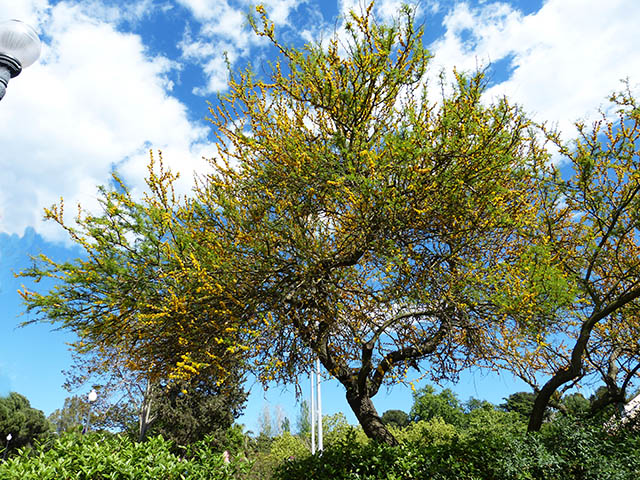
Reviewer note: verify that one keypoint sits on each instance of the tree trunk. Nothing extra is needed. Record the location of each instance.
(145, 420)
(368, 417)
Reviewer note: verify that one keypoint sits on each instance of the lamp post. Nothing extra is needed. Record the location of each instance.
(92, 397)
(19, 48)
(6, 447)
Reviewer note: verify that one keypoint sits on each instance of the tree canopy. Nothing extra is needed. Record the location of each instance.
(356, 217)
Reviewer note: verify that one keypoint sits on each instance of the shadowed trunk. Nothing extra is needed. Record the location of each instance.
(368, 417)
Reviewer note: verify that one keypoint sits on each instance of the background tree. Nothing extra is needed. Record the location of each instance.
(186, 412)
(303, 422)
(428, 405)
(396, 418)
(72, 416)
(265, 422)
(474, 404)
(23, 423)
(355, 216)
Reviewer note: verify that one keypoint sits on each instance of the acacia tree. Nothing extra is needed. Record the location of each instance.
(355, 216)
(586, 239)
(130, 303)
(603, 210)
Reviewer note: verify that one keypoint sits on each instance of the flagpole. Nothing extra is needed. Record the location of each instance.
(319, 400)
(312, 408)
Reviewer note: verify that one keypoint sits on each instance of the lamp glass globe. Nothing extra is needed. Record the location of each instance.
(19, 41)
(93, 396)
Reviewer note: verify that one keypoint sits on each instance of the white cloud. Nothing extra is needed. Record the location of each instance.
(279, 11)
(111, 11)
(29, 11)
(388, 10)
(207, 10)
(95, 99)
(224, 28)
(204, 9)
(566, 58)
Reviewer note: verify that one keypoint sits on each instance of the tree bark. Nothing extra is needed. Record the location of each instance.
(145, 420)
(368, 417)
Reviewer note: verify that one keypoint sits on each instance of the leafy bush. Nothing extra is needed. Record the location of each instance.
(491, 446)
(435, 431)
(105, 456)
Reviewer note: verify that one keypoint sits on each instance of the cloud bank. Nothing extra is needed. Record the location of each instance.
(103, 93)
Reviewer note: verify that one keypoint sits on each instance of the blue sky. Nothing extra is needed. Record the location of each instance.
(119, 77)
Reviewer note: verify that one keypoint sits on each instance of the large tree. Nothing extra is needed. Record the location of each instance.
(356, 217)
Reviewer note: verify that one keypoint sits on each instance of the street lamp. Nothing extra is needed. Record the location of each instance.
(6, 448)
(92, 397)
(19, 48)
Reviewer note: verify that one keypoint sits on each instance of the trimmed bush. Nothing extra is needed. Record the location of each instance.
(106, 456)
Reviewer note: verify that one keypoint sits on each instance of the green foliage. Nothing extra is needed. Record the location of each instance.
(286, 446)
(105, 456)
(396, 418)
(186, 412)
(519, 402)
(434, 431)
(588, 450)
(428, 405)
(493, 446)
(335, 429)
(23, 423)
(73, 415)
(238, 443)
(576, 404)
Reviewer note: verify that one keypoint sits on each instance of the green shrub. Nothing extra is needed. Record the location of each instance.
(491, 446)
(105, 456)
(435, 431)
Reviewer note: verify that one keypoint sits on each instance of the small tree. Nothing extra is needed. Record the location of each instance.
(72, 416)
(519, 402)
(428, 405)
(23, 423)
(186, 412)
(586, 241)
(395, 418)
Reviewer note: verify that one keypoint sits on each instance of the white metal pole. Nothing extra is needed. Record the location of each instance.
(312, 409)
(319, 398)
